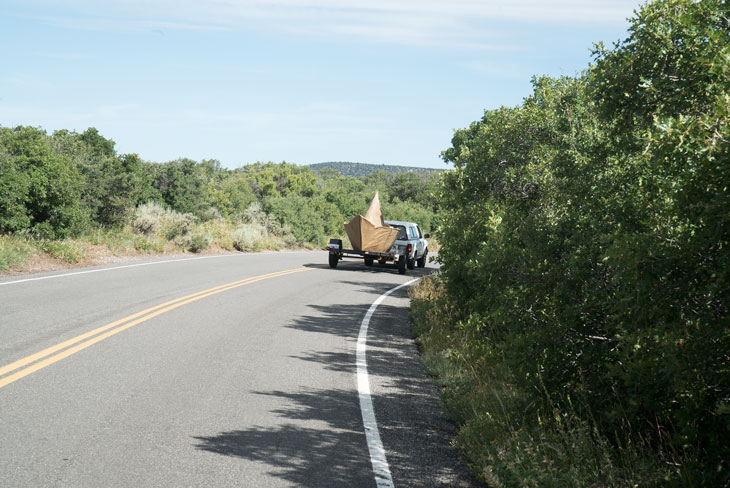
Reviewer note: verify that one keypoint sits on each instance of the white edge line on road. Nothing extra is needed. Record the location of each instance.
(74, 273)
(381, 469)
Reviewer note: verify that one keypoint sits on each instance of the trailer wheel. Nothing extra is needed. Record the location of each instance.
(402, 265)
(333, 260)
(368, 261)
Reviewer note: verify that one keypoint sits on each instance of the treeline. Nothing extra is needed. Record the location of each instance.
(68, 184)
(586, 251)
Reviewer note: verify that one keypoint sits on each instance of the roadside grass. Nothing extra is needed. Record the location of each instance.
(117, 242)
(152, 229)
(504, 440)
(66, 250)
(220, 232)
(15, 250)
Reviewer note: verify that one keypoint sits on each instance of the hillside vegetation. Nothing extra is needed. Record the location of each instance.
(62, 193)
(363, 169)
(580, 326)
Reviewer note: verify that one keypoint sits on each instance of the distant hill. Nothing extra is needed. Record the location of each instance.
(363, 169)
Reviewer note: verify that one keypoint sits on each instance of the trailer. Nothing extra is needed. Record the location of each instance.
(398, 255)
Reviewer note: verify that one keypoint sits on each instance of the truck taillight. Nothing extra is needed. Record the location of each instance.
(410, 248)
(327, 248)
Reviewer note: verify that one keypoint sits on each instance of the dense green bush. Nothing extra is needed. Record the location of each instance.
(234, 196)
(43, 186)
(14, 186)
(585, 238)
(182, 184)
(112, 184)
(310, 220)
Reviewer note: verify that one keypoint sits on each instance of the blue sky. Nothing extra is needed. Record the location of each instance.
(302, 81)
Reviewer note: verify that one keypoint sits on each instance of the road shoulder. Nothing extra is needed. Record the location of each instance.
(415, 432)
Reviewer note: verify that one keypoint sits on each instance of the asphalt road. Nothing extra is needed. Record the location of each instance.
(249, 384)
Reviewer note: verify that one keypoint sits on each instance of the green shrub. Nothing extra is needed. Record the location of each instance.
(182, 242)
(199, 242)
(209, 213)
(148, 218)
(255, 215)
(154, 219)
(249, 237)
(147, 244)
(177, 224)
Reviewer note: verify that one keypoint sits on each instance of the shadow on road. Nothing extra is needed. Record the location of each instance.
(322, 446)
(415, 432)
(323, 443)
(344, 320)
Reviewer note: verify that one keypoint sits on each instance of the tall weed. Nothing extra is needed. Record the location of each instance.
(66, 250)
(15, 250)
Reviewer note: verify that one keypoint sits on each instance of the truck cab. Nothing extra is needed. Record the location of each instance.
(411, 241)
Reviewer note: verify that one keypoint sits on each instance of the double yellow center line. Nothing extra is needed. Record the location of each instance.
(30, 364)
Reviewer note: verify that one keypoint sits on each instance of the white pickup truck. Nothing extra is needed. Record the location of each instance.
(410, 249)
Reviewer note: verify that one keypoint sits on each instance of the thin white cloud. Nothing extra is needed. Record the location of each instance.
(394, 27)
(592, 11)
(457, 23)
(121, 25)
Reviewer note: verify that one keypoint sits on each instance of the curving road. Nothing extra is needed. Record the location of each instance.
(232, 370)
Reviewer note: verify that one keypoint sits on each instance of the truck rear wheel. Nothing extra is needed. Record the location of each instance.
(411, 263)
(422, 260)
(333, 260)
(402, 265)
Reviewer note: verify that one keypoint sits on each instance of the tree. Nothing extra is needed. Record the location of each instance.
(51, 185)
(14, 186)
(113, 184)
(183, 185)
(594, 221)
